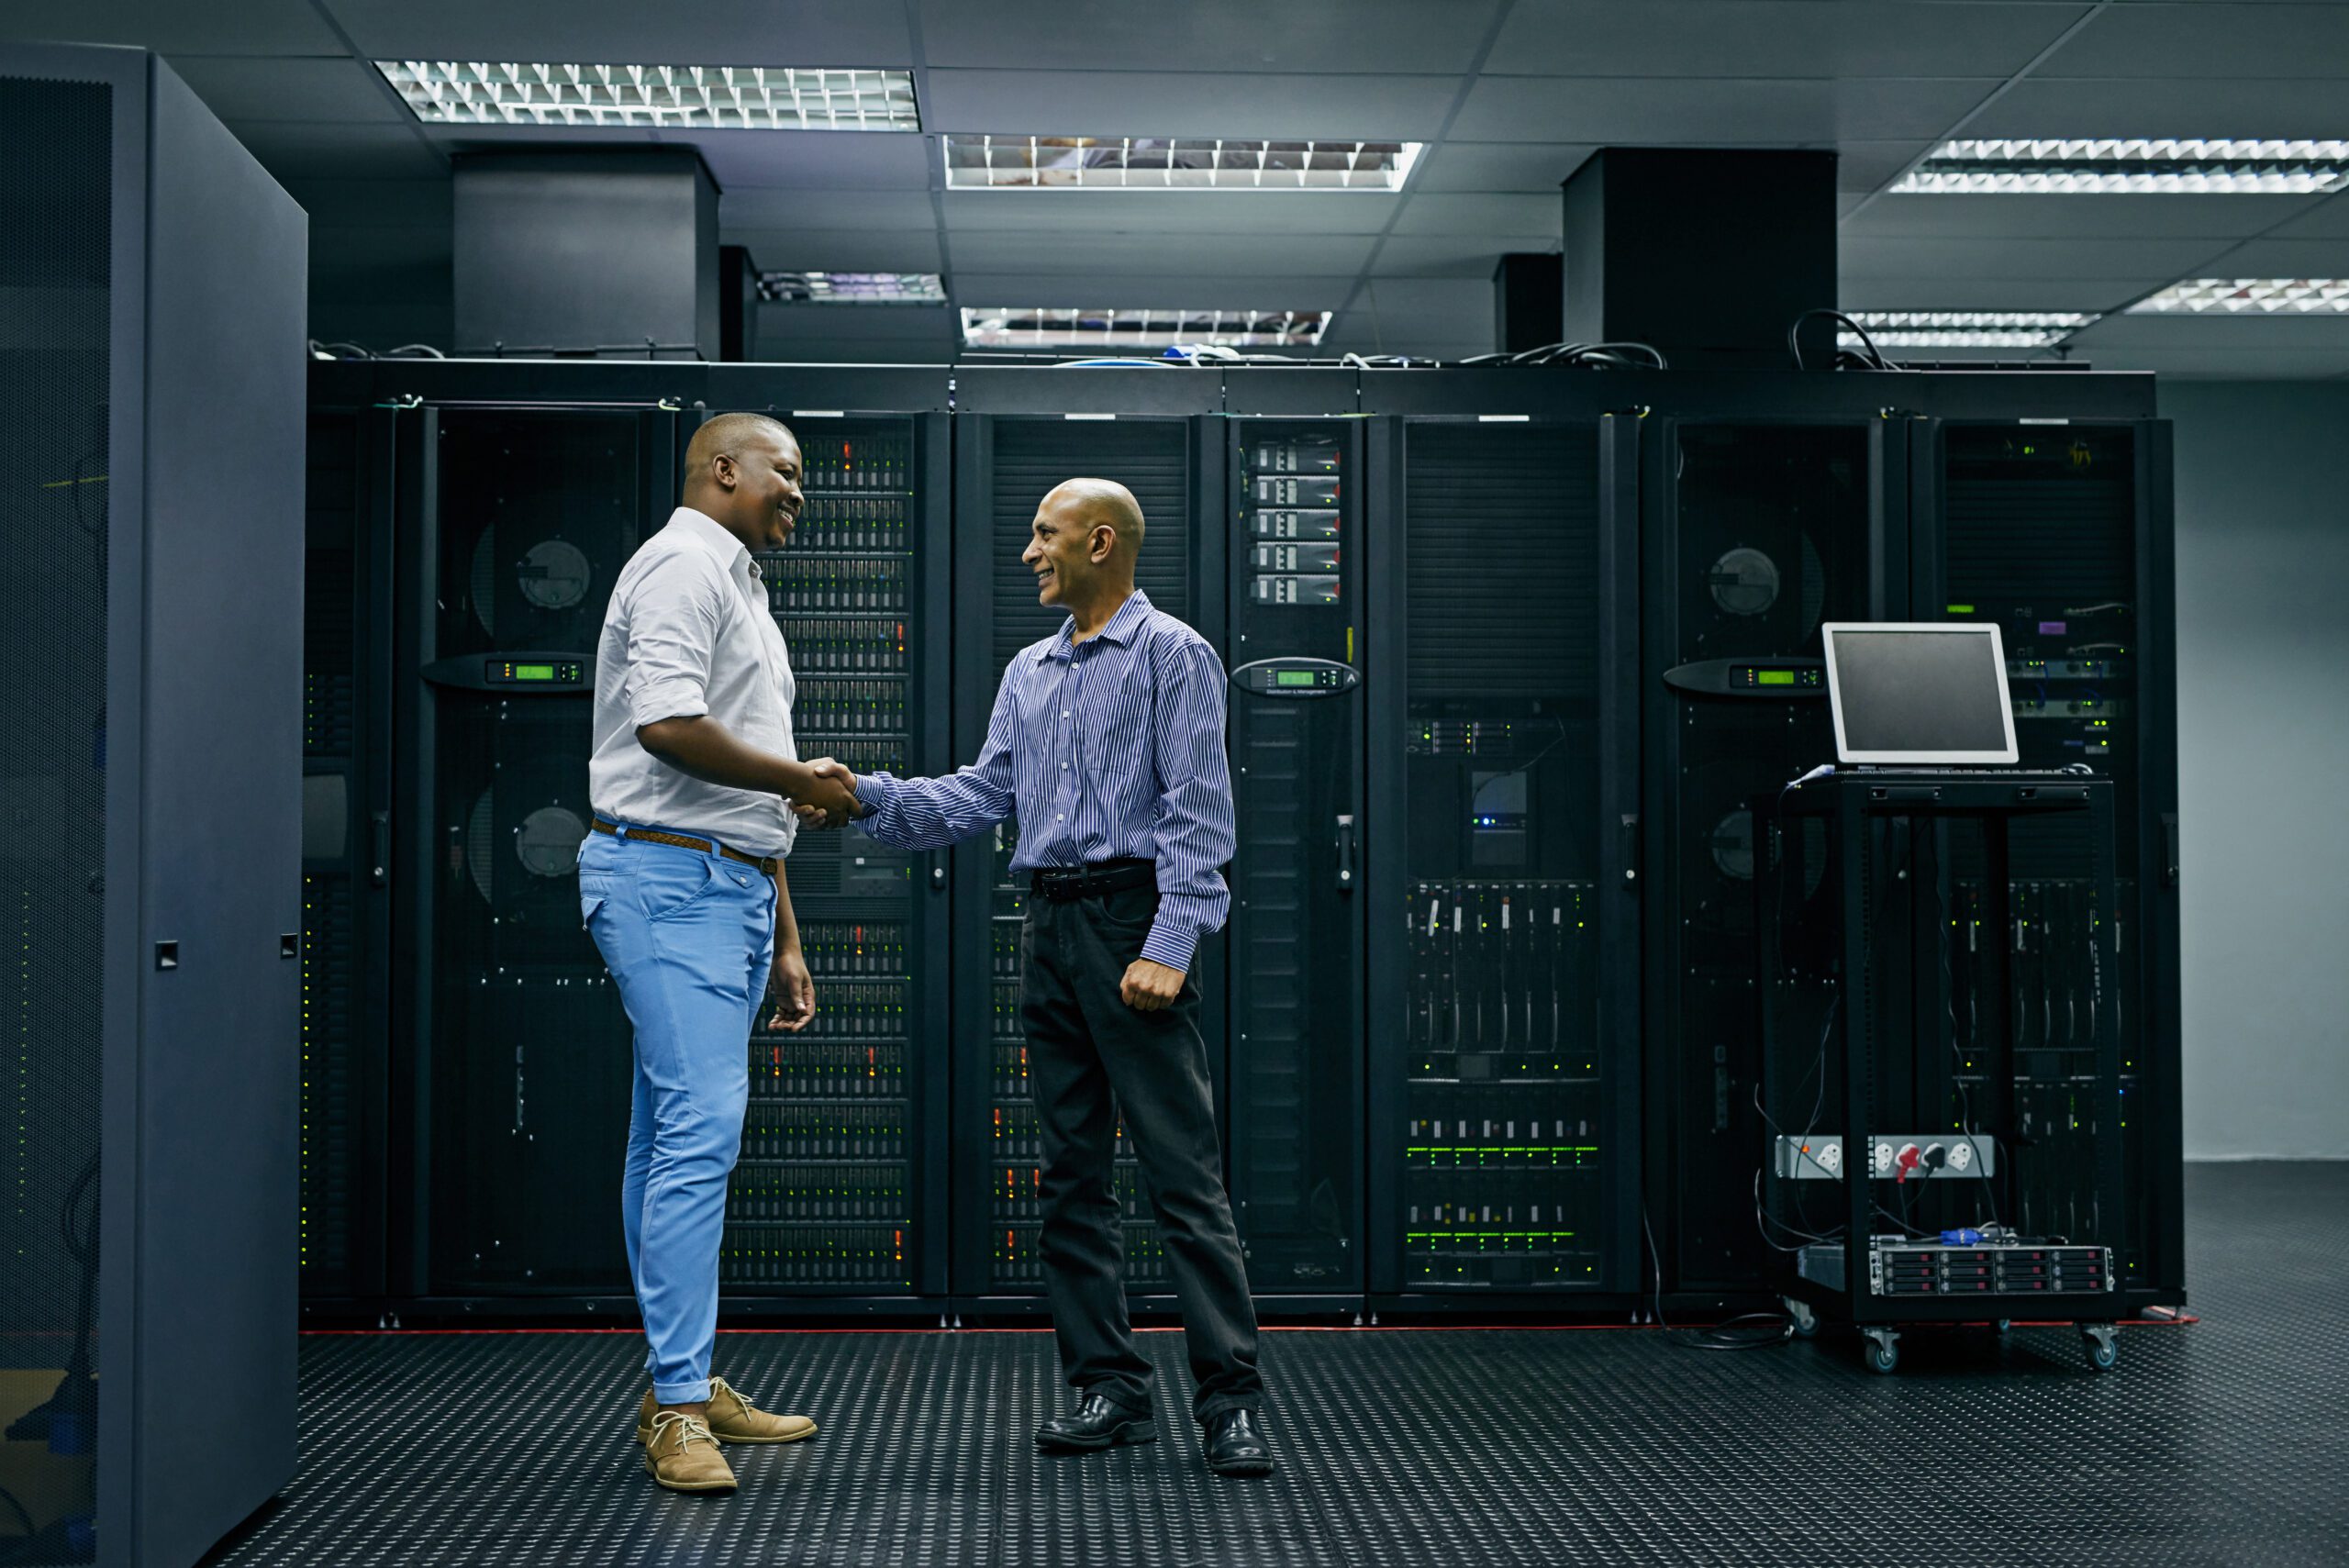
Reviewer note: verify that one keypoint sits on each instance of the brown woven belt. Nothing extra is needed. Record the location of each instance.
(768, 865)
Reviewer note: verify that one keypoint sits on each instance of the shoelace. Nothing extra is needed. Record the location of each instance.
(697, 1430)
(719, 1385)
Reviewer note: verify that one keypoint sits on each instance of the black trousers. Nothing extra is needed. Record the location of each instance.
(1086, 1044)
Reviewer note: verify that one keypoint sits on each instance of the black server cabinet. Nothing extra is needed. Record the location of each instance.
(1006, 464)
(837, 1192)
(2060, 534)
(1503, 947)
(515, 522)
(1297, 658)
(1756, 533)
(151, 321)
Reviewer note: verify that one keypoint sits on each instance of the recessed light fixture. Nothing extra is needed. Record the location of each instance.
(853, 288)
(1966, 328)
(1173, 163)
(1024, 328)
(715, 98)
(2060, 167)
(2248, 297)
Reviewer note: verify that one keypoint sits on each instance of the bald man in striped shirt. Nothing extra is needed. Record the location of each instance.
(1107, 743)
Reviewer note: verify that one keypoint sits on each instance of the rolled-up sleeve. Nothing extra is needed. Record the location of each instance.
(672, 621)
(1194, 828)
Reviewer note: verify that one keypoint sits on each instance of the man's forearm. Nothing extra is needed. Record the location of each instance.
(707, 749)
(786, 922)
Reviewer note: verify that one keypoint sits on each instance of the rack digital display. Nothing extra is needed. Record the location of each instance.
(1293, 677)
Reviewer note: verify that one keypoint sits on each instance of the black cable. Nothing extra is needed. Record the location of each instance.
(22, 1512)
(1723, 1335)
(1873, 360)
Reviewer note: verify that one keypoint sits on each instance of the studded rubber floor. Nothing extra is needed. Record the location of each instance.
(2225, 1442)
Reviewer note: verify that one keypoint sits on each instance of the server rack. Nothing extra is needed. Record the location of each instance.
(1756, 531)
(2060, 533)
(1503, 951)
(1005, 464)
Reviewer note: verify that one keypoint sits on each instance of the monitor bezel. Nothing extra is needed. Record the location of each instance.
(1844, 751)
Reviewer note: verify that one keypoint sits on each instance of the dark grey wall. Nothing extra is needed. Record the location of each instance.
(2263, 653)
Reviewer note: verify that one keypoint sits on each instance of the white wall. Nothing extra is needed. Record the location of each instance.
(2263, 662)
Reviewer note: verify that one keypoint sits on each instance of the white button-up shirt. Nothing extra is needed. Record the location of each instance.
(689, 632)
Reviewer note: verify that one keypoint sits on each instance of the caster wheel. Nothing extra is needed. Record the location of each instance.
(1882, 1358)
(2001, 1325)
(1805, 1322)
(2103, 1355)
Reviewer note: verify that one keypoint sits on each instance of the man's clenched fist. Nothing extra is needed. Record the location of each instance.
(1149, 986)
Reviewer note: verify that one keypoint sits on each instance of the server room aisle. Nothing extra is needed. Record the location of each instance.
(2210, 1443)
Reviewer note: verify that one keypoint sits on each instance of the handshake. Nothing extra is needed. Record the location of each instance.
(828, 797)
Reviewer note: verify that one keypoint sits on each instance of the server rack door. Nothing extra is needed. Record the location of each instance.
(520, 1046)
(2059, 535)
(1756, 533)
(1004, 466)
(1503, 1150)
(835, 1192)
(1297, 718)
(345, 852)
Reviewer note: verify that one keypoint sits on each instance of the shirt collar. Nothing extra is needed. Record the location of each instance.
(1121, 629)
(711, 535)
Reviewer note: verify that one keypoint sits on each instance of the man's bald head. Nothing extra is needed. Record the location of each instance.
(1103, 503)
(732, 434)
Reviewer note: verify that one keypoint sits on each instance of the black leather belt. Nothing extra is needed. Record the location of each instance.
(1061, 883)
(766, 864)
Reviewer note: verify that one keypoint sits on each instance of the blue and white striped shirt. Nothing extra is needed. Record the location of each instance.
(1108, 749)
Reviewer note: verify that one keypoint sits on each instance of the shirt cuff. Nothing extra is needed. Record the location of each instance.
(1172, 940)
(876, 793)
(673, 699)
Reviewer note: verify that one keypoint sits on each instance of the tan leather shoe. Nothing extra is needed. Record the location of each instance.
(683, 1457)
(733, 1420)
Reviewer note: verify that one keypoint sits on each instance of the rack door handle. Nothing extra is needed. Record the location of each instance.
(1345, 854)
(379, 848)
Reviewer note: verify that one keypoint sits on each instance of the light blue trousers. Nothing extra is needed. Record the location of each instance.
(689, 938)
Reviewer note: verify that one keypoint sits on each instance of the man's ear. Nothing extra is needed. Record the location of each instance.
(722, 469)
(1105, 543)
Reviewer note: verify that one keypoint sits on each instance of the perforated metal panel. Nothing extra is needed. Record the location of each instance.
(54, 463)
(2206, 1445)
(1149, 457)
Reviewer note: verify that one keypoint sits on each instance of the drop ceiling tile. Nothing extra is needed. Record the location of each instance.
(2052, 107)
(1469, 254)
(292, 149)
(1475, 166)
(1201, 254)
(747, 207)
(1435, 212)
(1856, 291)
(1161, 103)
(1160, 212)
(1789, 37)
(175, 28)
(2101, 217)
(931, 328)
(1872, 165)
(794, 250)
(2285, 334)
(1897, 256)
(1364, 36)
(2281, 258)
(814, 159)
(1742, 113)
(2203, 40)
(627, 32)
(2328, 220)
(288, 87)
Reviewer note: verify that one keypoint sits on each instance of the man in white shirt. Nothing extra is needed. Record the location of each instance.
(682, 885)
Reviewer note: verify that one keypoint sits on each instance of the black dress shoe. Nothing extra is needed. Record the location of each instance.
(1097, 1423)
(1235, 1446)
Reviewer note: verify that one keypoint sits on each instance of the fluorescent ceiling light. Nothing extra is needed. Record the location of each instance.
(1025, 329)
(717, 97)
(853, 288)
(2089, 167)
(1966, 328)
(1173, 163)
(2249, 297)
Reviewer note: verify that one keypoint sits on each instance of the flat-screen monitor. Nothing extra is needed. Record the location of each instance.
(1918, 692)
